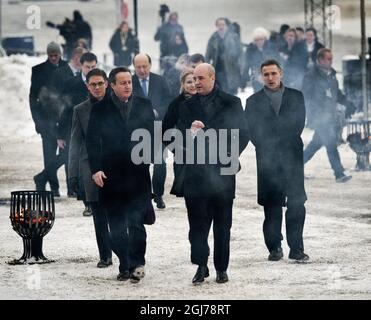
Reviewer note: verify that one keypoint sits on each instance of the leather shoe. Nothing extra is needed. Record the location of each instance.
(160, 202)
(221, 277)
(87, 211)
(39, 182)
(123, 276)
(201, 273)
(56, 193)
(298, 256)
(275, 254)
(104, 263)
(343, 178)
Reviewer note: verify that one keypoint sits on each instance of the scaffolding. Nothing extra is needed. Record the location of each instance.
(318, 14)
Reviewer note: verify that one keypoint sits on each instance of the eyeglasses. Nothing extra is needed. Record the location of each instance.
(96, 85)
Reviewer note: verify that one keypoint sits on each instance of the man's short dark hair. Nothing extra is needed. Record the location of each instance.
(313, 30)
(322, 52)
(197, 57)
(96, 72)
(114, 72)
(299, 29)
(148, 56)
(270, 62)
(88, 56)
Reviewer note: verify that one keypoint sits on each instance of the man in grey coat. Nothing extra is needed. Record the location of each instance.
(224, 52)
(79, 169)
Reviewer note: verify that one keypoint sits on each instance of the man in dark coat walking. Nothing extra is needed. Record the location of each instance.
(45, 113)
(59, 80)
(125, 186)
(275, 120)
(79, 172)
(322, 94)
(207, 191)
(154, 87)
(74, 92)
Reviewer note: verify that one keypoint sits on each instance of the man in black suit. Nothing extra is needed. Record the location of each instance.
(275, 118)
(66, 73)
(59, 79)
(79, 172)
(45, 113)
(74, 92)
(125, 186)
(208, 192)
(155, 88)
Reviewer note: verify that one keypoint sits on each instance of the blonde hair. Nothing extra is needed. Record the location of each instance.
(186, 72)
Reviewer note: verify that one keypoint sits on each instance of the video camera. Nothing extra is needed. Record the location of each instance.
(164, 9)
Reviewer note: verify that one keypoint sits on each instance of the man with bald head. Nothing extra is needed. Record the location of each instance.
(154, 87)
(208, 193)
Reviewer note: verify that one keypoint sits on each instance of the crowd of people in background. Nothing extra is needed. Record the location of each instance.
(85, 120)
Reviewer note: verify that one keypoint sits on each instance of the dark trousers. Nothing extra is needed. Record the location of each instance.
(201, 213)
(159, 176)
(329, 139)
(125, 217)
(295, 217)
(48, 174)
(102, 233)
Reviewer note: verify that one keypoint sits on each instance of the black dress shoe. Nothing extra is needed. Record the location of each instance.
(39, 182)
(123, 276)
(275, 254)
(87, 211)
(71, 194)
(201, 273)
(298, 256)
(160, 202)
(221, 277)
(56, 193)
(104, 263)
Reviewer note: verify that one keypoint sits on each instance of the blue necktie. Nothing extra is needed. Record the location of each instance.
(144, 87)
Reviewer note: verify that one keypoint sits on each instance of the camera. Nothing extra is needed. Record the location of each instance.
(164, 9)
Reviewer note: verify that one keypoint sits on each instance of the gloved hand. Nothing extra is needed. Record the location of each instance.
(50, 24)
(350, 109)
(73, 184)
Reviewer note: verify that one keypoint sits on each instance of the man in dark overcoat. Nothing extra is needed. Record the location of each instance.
(275, 119)
(45, 112)
(207, 191)
(322, 94)
(79, 172)
(74, 92)
(154, 87)
(125, 186)
(61, 77)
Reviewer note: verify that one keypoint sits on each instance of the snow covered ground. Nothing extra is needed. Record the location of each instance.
(337, 230)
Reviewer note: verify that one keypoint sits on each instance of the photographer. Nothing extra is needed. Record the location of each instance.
(68, 31)
(168, 32)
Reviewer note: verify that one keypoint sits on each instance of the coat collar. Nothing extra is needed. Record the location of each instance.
(266, 104)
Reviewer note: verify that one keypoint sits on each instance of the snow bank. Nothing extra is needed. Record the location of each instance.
(15, 81)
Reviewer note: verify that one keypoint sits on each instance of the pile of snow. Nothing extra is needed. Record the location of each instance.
(15, 80)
